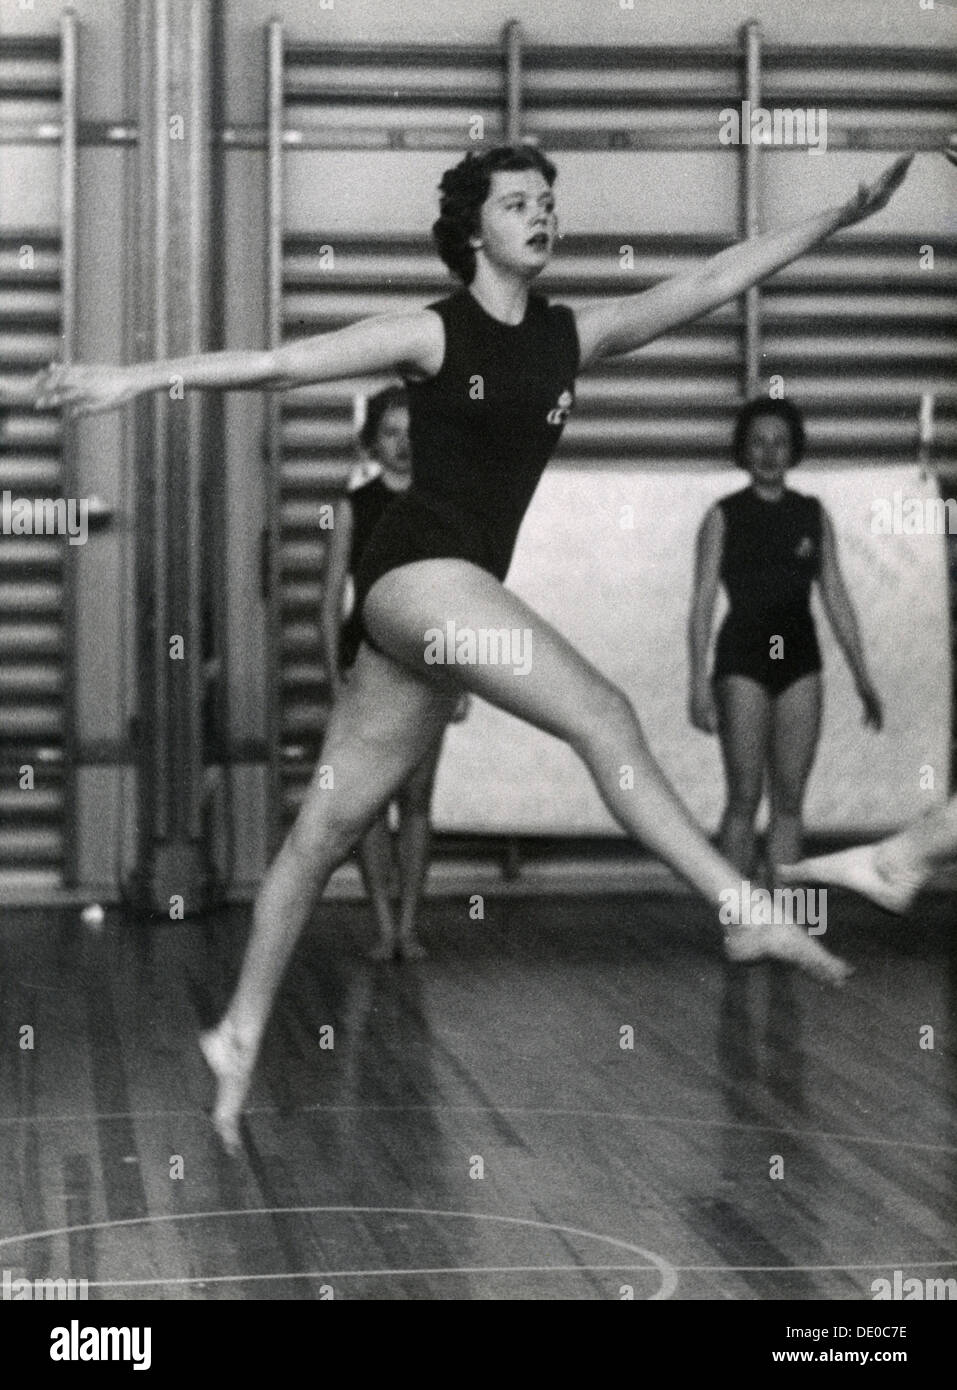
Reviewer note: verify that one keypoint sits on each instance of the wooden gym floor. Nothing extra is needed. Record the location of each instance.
(477, 1129)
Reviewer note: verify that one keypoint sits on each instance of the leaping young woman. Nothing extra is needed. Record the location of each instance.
(490, 373)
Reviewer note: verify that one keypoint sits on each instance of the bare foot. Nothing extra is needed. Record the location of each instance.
(790, 944)
(411, 948)
(231, 1062)
(870, 870)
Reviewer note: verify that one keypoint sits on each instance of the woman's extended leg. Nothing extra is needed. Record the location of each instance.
(381, 727)
(795, 729)
(744, 722)
(447, 608)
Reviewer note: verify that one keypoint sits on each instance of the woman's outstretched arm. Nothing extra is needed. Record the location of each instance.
(618, 325)
(410, 344)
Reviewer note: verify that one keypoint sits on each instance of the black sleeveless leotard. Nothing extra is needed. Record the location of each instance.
(368, 500)
(481, 431)
(771, 556)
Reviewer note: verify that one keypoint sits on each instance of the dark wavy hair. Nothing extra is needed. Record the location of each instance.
(465, 188)
(782, 410)
(376, 409)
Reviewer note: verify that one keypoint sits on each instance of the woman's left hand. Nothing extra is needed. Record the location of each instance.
(873, 709)
(871, 197)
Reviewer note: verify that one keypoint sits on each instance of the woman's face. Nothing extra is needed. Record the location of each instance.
(392, 441)
(518, 225)
(767, 450)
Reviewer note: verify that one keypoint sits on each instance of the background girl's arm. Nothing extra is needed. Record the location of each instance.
(620, 325)
(843, 620)
(709, 550)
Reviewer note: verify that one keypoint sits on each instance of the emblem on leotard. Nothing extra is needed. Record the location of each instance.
(804, 548)
(559, 415)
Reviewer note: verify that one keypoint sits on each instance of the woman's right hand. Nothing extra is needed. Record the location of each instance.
(84, 389)
(704, 711)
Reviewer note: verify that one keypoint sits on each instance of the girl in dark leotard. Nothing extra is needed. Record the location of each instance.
(768, 544)
(373, 486)
(384, 476)
(491, 373)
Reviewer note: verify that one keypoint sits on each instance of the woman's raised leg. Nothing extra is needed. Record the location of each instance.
(548, 683)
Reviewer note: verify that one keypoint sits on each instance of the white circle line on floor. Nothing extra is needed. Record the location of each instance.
(201, 1281)
(373, 1274)
(478, 1270)
(669, 1279)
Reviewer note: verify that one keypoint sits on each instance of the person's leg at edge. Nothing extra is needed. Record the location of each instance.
(415, 842)
(744, 721)
(892, 871)
(374, 853)
(381, 727)
(554, 688)
(932, 840)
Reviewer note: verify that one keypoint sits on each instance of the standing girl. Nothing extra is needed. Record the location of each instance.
(769, 545)
(374, 484)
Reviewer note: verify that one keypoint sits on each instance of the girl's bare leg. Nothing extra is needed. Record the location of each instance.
(415, 838)
(796, 727)
(381, 727)
(744, 712)
(375, 860)
(391, 713)
(553, 687)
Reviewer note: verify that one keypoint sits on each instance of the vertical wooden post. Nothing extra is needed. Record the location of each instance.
(172, 271)
(512, 39)
(69, 98)
(271, 554)
(750, 212)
